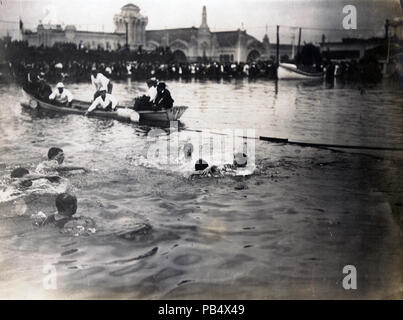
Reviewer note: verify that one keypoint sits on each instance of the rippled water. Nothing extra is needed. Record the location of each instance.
(286, 231)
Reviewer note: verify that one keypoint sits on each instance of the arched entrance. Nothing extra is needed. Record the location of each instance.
(253, 56)
(179, 56)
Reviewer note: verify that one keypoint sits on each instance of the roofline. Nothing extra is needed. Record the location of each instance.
(191, 28)
(351, 42)
(226, 31)
(100, 32)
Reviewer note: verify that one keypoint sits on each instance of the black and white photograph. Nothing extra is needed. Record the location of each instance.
(201, 150)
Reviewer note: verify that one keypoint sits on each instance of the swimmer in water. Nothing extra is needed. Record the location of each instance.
(66, 205)
(23, 179)
(53, 164)
(23, 182)
(203, 169)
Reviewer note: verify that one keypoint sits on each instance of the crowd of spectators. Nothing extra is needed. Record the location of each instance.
(65, 62)
(68, 63)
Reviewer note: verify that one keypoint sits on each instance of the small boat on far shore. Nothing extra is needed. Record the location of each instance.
(288, 71)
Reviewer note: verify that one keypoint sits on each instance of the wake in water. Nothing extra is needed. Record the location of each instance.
(10, 191)
(183, 152)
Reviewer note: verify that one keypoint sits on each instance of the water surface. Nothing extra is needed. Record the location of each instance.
(285, 232)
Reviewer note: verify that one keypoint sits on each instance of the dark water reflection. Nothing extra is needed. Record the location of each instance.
(286, 231)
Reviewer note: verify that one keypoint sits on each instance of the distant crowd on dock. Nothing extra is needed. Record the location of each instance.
(67, 63)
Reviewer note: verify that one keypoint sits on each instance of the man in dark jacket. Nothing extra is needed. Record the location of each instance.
(163, 99)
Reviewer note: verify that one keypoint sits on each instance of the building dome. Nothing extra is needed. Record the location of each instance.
(70, 27)
(130, 7)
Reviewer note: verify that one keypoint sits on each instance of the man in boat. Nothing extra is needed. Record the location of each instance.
(146, 102)
(44, 90)
(105, 102)
(152, 90)
(31, 84)
(61, 95)
(163, 99)
(100, 82)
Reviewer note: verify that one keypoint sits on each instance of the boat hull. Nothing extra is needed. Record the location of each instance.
(167, 115)
(288, 73)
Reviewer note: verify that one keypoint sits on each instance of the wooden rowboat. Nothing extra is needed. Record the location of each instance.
(158, 117)
(288, 71)
(162, 115)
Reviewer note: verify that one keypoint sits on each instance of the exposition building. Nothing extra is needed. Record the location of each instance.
(187, 44)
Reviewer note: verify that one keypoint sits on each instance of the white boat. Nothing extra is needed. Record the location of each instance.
(288, 71)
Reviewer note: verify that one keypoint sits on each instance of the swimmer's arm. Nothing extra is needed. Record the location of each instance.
(16, 182)
(194, 174)
(32, 177)
(206, 171)
(63, 169)
(40, 219)
(48, 220)
(211, 170)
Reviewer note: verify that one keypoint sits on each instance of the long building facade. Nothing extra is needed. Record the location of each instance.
(187, 44)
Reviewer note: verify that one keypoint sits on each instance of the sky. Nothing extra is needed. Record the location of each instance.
(316, 17)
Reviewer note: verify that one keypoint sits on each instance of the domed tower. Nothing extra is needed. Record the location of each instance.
(204, 37)
(132, 23)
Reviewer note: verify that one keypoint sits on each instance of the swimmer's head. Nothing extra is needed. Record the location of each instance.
(19, 172)
(56, 154)
(26, 183)
(240, 160)
(66, 204)
(201, 165)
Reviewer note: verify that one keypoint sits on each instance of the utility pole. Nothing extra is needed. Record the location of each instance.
(299, 41)
(387, 40)
(278, 47)
(386, 28)
(293, 46)
(127, 35)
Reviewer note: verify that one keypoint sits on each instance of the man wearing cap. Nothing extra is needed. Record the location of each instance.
(147, 101)
(61, 95)
(100, 83)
